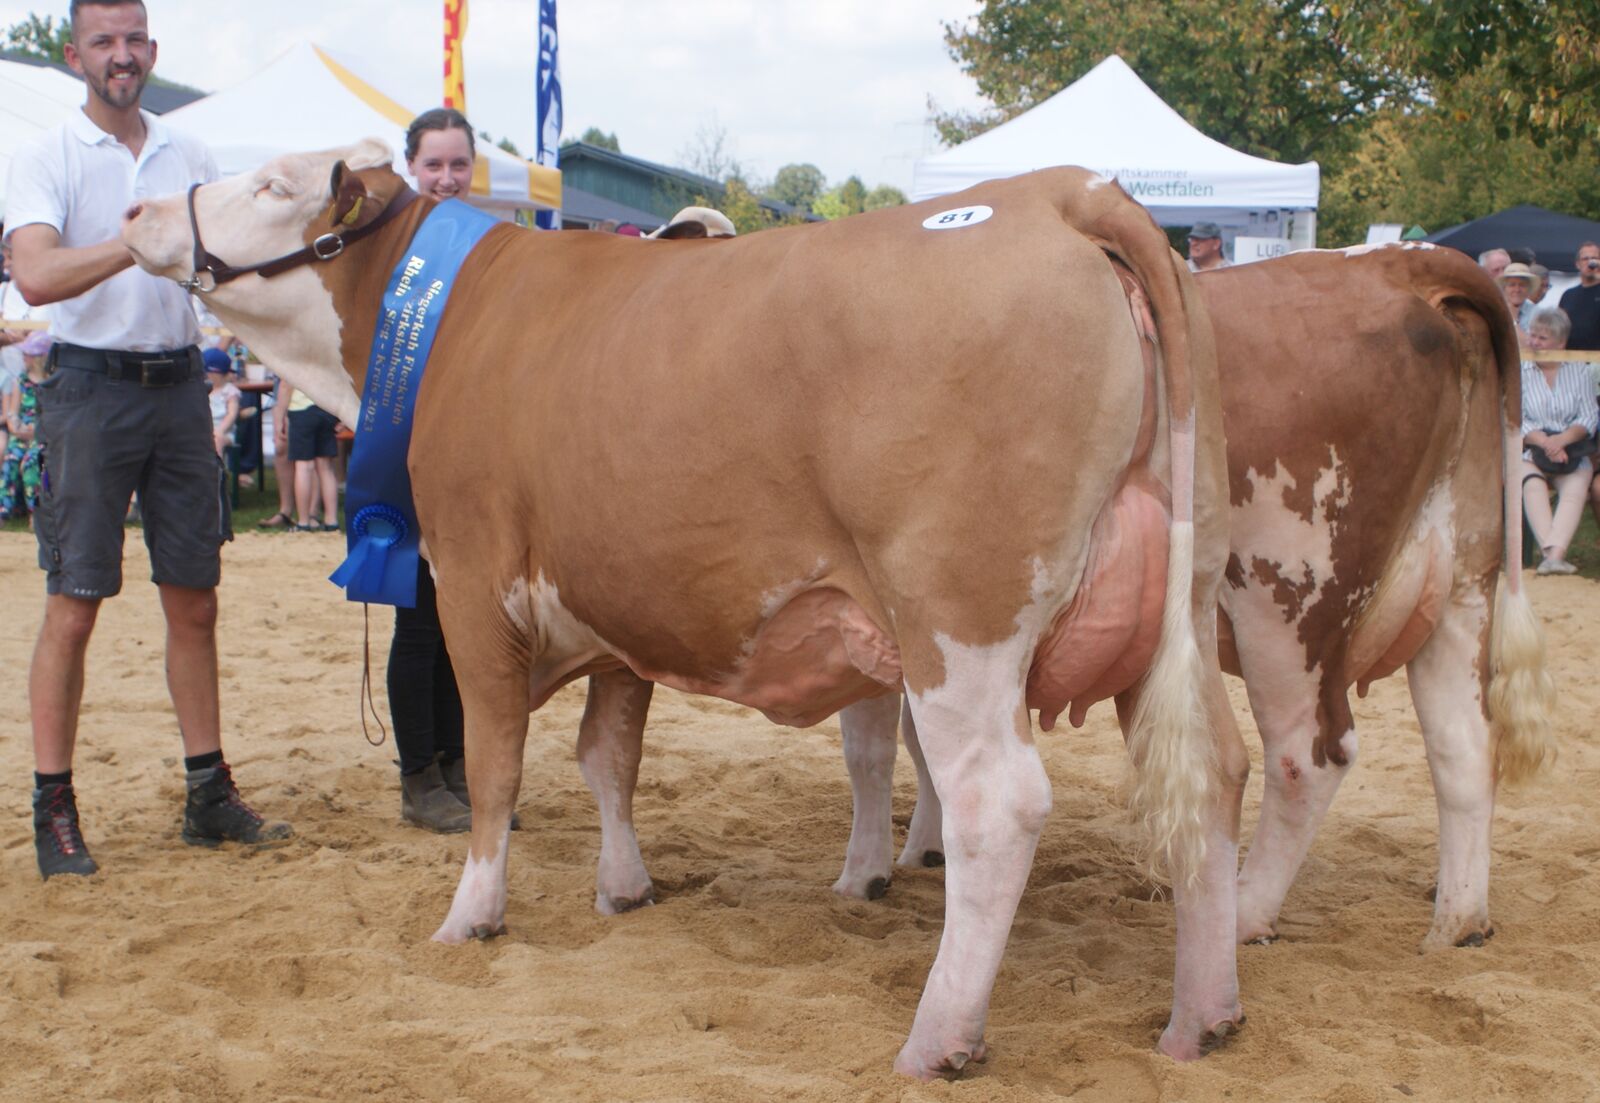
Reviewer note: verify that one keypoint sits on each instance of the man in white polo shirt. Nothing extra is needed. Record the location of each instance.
(125, 411)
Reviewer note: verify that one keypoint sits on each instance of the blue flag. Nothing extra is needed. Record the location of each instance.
(548, 153)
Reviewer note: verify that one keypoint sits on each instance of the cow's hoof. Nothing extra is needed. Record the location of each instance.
(616, 905)
(454, 934)
(946, 1067)
(1255, 934)
(1455, 936)
(932, 859)
(873, 888)
(483, 932)
(1213, 1038)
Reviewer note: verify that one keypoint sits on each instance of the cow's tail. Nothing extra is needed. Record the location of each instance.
(1522, 695)
(1169, 739)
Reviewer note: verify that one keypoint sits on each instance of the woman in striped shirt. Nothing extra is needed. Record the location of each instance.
(1558, 411)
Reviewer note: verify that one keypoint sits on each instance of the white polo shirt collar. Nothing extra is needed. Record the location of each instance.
(87, 131)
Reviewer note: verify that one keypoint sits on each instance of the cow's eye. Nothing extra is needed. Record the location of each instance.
(278, 186)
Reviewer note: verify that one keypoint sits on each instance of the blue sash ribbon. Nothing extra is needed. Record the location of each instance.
(383, 536)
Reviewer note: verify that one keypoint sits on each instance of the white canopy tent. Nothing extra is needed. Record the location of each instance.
(311, 99)
(33, 98)
(1110, 121)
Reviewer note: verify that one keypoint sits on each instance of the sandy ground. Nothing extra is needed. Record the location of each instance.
(306, 972)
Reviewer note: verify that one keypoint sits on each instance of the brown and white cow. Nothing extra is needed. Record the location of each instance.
(1372, 399)
(795, 470)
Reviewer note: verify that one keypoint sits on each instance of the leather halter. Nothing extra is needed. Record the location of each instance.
(211, 271)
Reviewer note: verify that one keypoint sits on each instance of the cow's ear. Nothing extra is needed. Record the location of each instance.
(350, 198)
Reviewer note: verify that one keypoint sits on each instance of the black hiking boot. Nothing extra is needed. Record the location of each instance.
(215, 813)
(454, 772)
(56, 838)
(427, 801)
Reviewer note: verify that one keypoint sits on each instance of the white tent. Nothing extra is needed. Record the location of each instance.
(1110, 121)
(33, 98)
(310, 99)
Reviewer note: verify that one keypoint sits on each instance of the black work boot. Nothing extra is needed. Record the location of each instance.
(454, 772)
(427, 801)
(215, 813)
(56, 838)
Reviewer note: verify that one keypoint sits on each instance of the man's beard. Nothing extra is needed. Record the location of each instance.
(124, 95)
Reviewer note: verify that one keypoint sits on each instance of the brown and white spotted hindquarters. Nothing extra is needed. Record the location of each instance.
(1369, 399)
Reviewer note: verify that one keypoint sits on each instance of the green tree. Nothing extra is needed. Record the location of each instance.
(42, 38)
(596, 137)
(1546, 54)
(885, 195)
(1275, 78)
(509, 146)
(798, 185)
(1451, 162)
(843, 201)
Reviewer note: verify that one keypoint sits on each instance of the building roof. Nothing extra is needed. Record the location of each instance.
(158, 98)
(578, 205)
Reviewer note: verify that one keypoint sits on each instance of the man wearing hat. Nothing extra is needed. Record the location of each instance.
(1518, 283)
(1205, 248)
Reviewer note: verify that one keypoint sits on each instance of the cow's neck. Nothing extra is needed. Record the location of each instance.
(358, 283)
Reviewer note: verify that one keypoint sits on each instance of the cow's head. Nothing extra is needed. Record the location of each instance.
(259, 215)
(290, 319)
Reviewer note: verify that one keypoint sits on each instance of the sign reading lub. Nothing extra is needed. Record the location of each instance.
(1247, 249)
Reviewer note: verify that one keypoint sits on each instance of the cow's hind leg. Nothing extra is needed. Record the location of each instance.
(1447, 688)
(1297, 794)
(493, 679)
(980, 752)
(610, 742)
(924, 842)
(869, 751)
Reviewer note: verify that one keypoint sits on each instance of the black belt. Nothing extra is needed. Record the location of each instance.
(148, 369)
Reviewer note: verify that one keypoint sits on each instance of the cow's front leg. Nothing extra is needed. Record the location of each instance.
(924, 842)
(610, 742)
(996, 795)
(494, 698)
(869, 751)
(1448, 693)
(1297, 794)
(1205, 989)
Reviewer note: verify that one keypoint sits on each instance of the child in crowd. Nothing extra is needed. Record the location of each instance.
(224, 398)
(21, 472)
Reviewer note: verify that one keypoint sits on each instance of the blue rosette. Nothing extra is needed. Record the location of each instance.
(374, 530)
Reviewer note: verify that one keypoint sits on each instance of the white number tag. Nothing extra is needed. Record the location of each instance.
(957, 219)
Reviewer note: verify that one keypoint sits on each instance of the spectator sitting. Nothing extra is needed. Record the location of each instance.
(1518, 283)
(21, 471)
(1494, 262)
(1559, 420)
(1543, 273)
(224, 398)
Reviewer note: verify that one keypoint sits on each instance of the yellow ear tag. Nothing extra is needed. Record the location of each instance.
(354, 213)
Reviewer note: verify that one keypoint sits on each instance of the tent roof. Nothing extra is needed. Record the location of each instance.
(1110, 121)
(33, 98)
(1555, 237)
(309, 98)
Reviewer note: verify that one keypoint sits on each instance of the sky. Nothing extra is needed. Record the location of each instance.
(842, 84)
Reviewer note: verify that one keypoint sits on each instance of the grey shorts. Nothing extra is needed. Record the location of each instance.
(103, 440)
